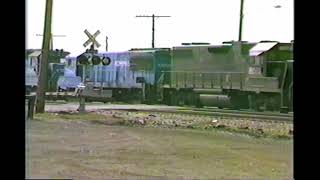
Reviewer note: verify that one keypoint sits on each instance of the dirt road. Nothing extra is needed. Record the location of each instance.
(82, 149)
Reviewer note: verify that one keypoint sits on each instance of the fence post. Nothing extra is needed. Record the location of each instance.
(82, 100)
(31, 102)
(82, 104)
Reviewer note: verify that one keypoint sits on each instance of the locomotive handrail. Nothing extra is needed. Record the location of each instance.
(282, 82)
(290, 90)
(276, 61)
(221, 72)
(160, 79)
(118, 70)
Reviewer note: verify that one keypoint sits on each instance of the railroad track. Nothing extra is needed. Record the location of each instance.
(244, 111)
(270, 116)
(255, 116)
(241, 114)
(57, 93)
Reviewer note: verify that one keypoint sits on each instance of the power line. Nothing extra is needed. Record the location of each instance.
(152, 16)
(52, 35)
(51, 39)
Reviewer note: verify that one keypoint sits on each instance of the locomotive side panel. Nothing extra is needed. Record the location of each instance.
(209, 66)
(124, 69)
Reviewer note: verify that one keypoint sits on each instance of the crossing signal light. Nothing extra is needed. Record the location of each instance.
(96, 60)
(93, 59)
(83, 59)
(106, 61)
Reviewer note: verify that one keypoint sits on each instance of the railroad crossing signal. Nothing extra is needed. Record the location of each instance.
(92, 38)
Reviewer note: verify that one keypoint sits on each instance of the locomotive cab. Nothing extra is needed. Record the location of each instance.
(268, 74)
(257, 63)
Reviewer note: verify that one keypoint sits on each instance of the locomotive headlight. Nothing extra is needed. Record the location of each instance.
(96, 60)
(106, 61)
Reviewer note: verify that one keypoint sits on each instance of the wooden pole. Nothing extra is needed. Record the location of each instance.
(42, 83)
(240, 23)
(153, 29)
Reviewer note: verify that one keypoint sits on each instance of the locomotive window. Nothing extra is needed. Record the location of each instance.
(141, 61)
(258, 60)
(183, 53)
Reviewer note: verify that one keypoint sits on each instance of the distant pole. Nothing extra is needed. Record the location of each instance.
(241, 17)
(153, 16)
(42, 83)
(107, 43)
(152, 30)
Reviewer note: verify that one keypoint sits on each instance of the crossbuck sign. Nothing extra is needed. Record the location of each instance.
(92, 38)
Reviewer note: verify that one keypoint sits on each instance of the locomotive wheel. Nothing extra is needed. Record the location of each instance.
(181, 98)
(198, 102)
(272, 104)
(199, 105)
(258, 106)
(170, 98)
(189, 99)
(28, 90)
(239, 101)
(253, 102)
(174, 99)
(34, 89)
(166, 97)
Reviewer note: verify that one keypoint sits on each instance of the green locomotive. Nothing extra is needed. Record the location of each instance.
(238, 75)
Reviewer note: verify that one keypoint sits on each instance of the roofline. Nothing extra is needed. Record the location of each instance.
(148, 49)
(269, 49)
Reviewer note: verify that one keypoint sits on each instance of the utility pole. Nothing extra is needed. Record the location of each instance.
(107, 43)
(153, 16)
(241, 17)
(42, 83)
(51, 39)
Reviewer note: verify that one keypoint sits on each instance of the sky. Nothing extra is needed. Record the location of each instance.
(212, 21)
